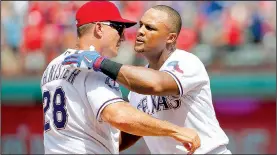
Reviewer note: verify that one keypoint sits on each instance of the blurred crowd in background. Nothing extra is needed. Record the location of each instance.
(226, 36)
(235, 40)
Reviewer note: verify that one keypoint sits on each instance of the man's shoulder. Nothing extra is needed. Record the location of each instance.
(183, 62)
(97, 76)
(101, 79)
(60, 57)
(182, 54)
(185, 57)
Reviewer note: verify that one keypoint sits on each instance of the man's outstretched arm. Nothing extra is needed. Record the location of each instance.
(147, 81)
(138, 79)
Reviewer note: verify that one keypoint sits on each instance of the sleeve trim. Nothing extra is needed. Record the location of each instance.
(105, 104)
(177, 81)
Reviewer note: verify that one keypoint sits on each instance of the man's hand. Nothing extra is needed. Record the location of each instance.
(86, 61)
(189, 138)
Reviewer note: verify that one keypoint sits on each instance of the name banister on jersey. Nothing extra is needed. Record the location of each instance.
(56, 72)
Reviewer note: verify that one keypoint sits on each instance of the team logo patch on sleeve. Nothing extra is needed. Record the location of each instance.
(175, 66)
(112, 84)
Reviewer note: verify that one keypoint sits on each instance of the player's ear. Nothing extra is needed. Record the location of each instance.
(98, 30)
(172, 37)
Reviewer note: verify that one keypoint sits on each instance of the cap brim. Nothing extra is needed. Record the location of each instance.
(127, 23)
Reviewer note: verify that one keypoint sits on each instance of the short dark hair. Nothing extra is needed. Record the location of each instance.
(174, 17)
(81, 30)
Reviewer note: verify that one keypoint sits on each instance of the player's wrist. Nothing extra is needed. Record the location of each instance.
(97, 63)
(174, 132)
(110, 68)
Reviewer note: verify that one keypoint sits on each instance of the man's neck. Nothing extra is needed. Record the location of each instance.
(82, 47)
(156, 62)
(85, 44)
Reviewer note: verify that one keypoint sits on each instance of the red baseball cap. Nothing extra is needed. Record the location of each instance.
(98, 11)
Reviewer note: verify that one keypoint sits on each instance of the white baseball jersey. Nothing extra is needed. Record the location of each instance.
(73, 101)
(193, 108)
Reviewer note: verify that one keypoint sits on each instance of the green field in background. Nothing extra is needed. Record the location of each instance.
(263, 85)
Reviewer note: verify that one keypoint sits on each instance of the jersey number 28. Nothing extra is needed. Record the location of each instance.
(59, 109)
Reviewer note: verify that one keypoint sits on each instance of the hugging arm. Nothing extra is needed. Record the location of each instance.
(124, 117)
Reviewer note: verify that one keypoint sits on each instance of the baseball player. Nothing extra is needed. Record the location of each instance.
(174, 86)
(83, 111)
